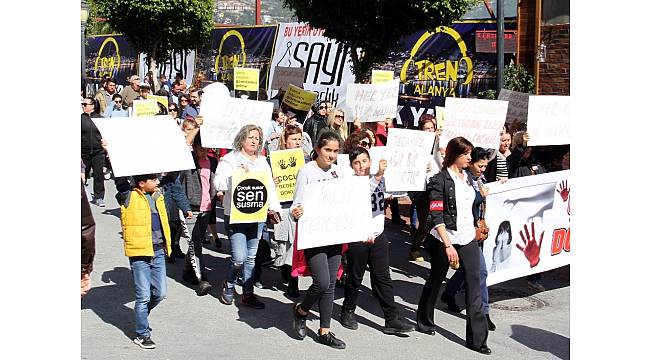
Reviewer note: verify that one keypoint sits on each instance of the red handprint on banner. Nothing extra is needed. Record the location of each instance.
(532, 249)
(564, 193)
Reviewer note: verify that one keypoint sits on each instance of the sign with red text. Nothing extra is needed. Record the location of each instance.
(486, 41)
(408, 152)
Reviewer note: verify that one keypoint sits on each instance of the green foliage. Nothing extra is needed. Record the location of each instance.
(371, 28)
(156, 27)
(516, 78)
(490, 94)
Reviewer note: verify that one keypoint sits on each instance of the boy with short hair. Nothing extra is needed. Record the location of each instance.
(146, 242)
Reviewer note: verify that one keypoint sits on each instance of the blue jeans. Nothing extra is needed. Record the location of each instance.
(243, 243)
(150, 287)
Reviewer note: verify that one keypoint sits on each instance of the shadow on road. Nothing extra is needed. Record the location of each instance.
(542, 340)
(109, 302)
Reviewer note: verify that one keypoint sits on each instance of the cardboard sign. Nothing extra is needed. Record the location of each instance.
(381, 76)
(335, 212)
(440, 117)
(371, 102)
(284, 76)
(147, 107)
(161, 99)
(285, 165)
(298, 98)
(549, 120)
(409, 152)
(223, 117)
(247, 79)
(250, 197)
(163, 148)
(478, 120)
(517, 105)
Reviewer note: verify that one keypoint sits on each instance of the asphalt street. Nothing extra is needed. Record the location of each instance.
(530, 324)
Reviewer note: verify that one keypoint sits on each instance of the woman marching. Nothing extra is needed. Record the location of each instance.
(451, 197)
(324, 261)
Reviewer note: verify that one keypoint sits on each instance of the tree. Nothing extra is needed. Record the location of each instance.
(371, 28)
(157, 27)
(515, 78)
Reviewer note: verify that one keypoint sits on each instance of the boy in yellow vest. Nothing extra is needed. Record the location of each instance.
(146, 234)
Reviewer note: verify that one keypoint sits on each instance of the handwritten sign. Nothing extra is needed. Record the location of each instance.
(161, 99)
(287, 75)
(440, 117)
(517, 105)
(478, 120)
(250, 197)
(549, 120)
(129, 149)
(372, 102)
(247, 79)
(346, 218)
(298, 98)
(409, 152)
(381, 76)
(285, 165)
(147, 107)
(224, 116)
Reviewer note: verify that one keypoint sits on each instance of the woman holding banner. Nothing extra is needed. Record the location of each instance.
(451, 197)
(244, 237)
(323, 262)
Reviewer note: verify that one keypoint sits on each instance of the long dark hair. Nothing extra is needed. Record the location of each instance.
(504, 227)
(324, 137)
(478, 153)
(455, 148)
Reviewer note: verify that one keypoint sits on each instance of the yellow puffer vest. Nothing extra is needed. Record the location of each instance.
(136, 224)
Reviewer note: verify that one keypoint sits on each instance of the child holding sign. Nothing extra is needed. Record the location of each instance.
(373, 252)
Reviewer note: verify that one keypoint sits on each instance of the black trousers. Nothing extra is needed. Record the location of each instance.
(476, 330)
(323, 263)
(422, 209)
(96, 161)
(198, 225)
(359, 256)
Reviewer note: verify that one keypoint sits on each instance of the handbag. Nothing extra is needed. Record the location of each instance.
(481, 228)
(273, 218)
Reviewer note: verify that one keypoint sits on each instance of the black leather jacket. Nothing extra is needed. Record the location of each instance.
(442, 201)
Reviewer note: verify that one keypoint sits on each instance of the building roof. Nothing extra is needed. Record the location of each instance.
(479, 12)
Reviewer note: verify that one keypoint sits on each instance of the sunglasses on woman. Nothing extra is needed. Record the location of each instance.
(364, 143)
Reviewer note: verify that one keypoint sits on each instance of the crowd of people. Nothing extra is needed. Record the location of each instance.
(157, 210)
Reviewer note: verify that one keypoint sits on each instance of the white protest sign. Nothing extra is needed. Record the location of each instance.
(517, 105)
(224, 116)
(335, 212)
(408, 152)
(284, 76)
(513, 249)
(548, 120)
(145, 144)
(373, 102)
(478, 120)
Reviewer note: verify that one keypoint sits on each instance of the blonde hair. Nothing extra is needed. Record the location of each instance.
(343, 130)
(241, 136)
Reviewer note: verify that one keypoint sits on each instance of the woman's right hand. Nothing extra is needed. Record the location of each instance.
(452, 255)
(297, 212)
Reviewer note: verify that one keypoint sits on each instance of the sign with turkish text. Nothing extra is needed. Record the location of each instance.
(478, 120)
(373, 102)
(298, 98)
(247, 79)
(549, 120)
(250, 197)
(381, 76)
(148, 107)
(408, 153)
(283, 76)
(517, 105)
(285, 165)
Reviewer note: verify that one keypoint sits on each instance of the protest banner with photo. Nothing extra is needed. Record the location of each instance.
(148, 107)
(346, 218)
(408, 152)
(381, 76)
(327, 63)
(179, 61)
(250, 197)
(164, 100)
(223, 117)
(162, 149)
(283, 76)
(440, 117)
(372, 102)
(285, 165)
(298, 98)
(478, 120)
(549, 120)
(517, 105)
(529, 222)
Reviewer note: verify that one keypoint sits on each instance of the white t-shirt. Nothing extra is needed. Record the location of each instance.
(465, 194)
(311, 173)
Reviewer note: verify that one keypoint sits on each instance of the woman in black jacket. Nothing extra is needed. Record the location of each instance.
(451, 197)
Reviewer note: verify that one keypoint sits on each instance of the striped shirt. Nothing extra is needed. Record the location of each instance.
(502, 166)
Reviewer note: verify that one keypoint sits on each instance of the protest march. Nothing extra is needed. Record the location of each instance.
(301, 168)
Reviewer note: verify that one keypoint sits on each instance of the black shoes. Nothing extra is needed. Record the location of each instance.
(204, 288)
(299, 323)
(292, 288)
(252, 301)
(330, 340)
(397, 326)
(484, 349)
(429, 330)
(348, 319)
(145, 342)
(491, 325)
(451, 302)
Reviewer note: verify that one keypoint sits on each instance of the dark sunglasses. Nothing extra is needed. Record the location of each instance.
(84, 104)
(364, 143)
(339, 116)
(118, 101)
(173, 109)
